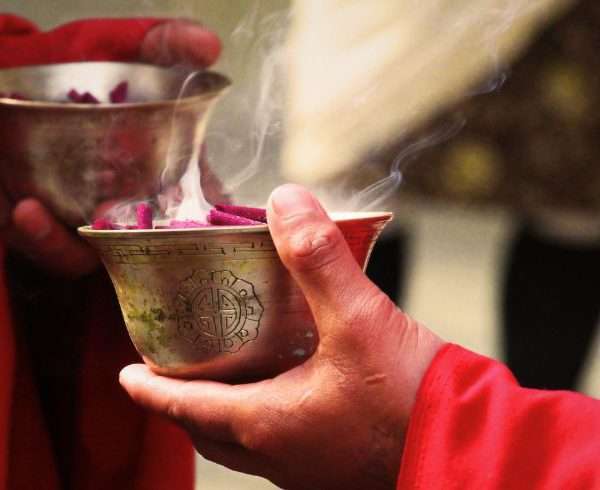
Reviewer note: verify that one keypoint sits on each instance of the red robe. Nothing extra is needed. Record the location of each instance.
(115, 444)
(474, 427)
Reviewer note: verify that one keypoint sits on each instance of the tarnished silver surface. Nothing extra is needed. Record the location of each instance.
(216, 302)
(76, 157)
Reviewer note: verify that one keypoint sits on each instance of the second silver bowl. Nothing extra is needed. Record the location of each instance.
(77, 157)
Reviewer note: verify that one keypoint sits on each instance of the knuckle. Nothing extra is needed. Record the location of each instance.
(314, 247)
(375, 305)
(363, 306)
(175, 405)
(258, 437)
(367, 319)
(173, 408)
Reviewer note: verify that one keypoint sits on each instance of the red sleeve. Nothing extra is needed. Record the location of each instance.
(474, 427)
(21, 43)
(14, 25)
(7, 371)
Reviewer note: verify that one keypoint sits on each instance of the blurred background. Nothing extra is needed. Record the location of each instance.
(497, 241)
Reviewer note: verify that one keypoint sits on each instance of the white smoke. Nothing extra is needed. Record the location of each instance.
(246, 133)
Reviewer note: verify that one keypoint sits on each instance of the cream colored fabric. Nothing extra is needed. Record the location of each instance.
(364, 72)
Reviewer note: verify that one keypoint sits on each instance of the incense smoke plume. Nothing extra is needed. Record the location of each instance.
(245, 135)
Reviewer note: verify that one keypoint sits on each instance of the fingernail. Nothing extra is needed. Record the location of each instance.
(290, 200)
(125, 373)
(129, 374)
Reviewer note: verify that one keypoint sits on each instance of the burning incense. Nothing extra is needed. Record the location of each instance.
(220, 215)
(255, 214)
(143, 214)
(103, 224)
(216, 217)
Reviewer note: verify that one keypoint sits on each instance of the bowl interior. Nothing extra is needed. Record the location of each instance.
(147, 83)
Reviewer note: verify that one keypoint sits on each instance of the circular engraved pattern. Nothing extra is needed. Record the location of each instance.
(217, 311)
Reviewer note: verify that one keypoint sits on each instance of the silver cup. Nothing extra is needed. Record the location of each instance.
(216, 302)
(78, 157)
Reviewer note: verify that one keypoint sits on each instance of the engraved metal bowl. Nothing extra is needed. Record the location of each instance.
(216, 302)
(75, 157)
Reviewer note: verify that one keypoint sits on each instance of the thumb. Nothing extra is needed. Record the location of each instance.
(313, 249)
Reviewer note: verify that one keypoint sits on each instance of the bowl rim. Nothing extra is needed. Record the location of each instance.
(342, 217)
(224, 82)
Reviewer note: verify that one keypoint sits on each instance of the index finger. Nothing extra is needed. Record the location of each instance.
(180, 41)
(47, 242)
(215, 410)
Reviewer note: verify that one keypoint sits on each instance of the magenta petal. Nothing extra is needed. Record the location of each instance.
(74, 95)
(216, 217)
(88, 98)
(82, 98)
(17, 96)
(143, 214)
(255, 214)
(118, 95)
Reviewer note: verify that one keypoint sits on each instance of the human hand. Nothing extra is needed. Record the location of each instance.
(339, 419)
(180, 41)
(28, 227)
